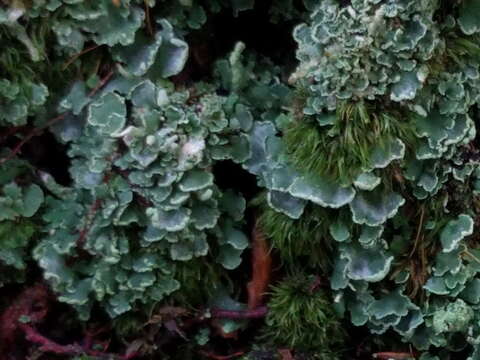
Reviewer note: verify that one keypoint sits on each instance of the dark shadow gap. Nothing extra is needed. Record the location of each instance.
(229, 175)
(217, 38)
(45, 153)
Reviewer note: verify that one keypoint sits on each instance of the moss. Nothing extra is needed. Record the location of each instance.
(343, 151)
(305, 238)
(199, 280)
(459, 47)
(129, 324)
(302, 318)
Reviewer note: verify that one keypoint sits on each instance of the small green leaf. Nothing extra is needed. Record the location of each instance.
(235, 238)
(195, 180)
(366, 181)
(339, 231)
(374, 208)
(468, 20)
(32, 200)
(395, 303)
(455, 231)
(229, 257)
(108, 113)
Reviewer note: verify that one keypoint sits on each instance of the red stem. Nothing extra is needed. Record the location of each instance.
(211, 355)
(32, 304)
(101, 83)
(257, 313)
(47, 345)
(10, 131)
(23, 305)
(393, 355)
(76, 56)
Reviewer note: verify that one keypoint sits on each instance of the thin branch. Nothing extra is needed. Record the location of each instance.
(47, 345)
(33, 304)
(468, 253)
(101, 83)
(257, 313)
(211, 355)
(10, 131)
(148, 20)
(76, 56)
(30, 135)
(419, 230)
(23, 305)
(393, 355)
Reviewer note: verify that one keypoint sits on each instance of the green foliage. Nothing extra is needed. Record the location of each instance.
(295, 239)
(386, 114)
(14, 238)
(17, 202)
(303, 318)
(146, 196)
(385, 58)
(357, 141)
(19, 207)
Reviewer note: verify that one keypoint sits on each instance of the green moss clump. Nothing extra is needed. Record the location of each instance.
(302, 318)
(305, 238)
(344, 150)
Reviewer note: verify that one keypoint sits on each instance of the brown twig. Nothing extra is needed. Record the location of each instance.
(10, 131)
(32, 297)
(76, 56)
(211, 355)
(47, 345)
(419, 230)
(31, 308)
(102, 83)
(257, 313)
(393, 355)
(148, 20)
